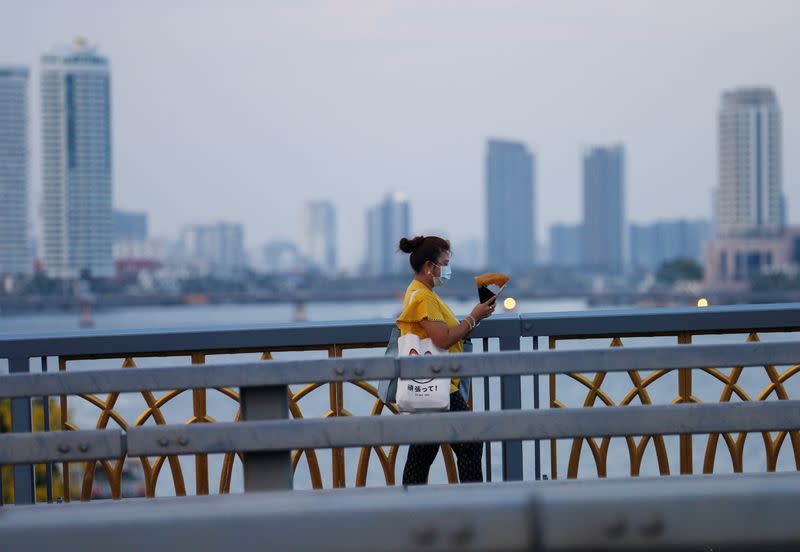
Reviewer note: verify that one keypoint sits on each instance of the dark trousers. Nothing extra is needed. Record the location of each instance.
(468, 455)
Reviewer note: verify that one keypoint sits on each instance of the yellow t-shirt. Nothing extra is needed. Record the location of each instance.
(421, 303)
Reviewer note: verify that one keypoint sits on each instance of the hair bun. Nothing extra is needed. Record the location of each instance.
(409, 246)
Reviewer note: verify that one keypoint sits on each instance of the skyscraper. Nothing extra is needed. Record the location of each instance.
(321, 235)
(510, 206)
(76, 162)
(750, 195)
(14, 246)
(387, 222)
(604, 209)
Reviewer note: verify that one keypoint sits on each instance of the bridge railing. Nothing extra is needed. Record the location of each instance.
(746, 512)
(503, 332)
(266, 436)
(334, 339)
(683, 326)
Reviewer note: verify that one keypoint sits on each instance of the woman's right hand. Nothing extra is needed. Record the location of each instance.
(484, 310)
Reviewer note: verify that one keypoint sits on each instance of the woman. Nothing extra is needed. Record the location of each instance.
(427, 316)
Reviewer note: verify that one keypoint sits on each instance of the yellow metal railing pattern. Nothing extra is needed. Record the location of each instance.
(636, 449)
(152, 467)
(595, 395)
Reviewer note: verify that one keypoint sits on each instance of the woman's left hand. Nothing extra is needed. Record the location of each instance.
(484, 310)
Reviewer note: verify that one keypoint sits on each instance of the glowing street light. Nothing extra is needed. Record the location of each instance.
(509, 303)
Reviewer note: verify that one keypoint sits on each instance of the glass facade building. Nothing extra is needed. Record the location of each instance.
(76, 163)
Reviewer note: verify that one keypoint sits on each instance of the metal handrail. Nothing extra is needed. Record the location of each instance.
(486, 426)
(745, 512)
(382, 367)
(778, 317)
(336, 336)
(366, 431)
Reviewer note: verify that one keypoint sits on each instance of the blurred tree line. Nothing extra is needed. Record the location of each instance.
(680, 269)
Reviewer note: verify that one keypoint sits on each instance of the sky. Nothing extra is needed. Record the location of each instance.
(244, 110)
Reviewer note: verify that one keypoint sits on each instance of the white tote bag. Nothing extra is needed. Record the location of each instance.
(421, 395)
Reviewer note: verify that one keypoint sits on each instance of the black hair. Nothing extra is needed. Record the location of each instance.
(423, 248)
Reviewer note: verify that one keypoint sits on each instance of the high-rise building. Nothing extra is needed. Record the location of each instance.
(566, 244)
(750, 198)
(321, 235)
(217, 249)
(604, 209)
(130, 226)
(510, 206)
(76, 162)
(14, 246)
(654, 244)
(387, 222)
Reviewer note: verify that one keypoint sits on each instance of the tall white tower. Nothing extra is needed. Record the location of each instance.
(750, 194)
(76, 162)
(14, 251)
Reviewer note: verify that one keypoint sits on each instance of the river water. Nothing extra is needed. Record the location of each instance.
(356, 401)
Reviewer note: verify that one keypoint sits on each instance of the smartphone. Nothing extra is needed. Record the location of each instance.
(496, 295)
(499, 291)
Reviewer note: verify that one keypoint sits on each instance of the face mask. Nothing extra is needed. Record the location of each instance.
(445, 276)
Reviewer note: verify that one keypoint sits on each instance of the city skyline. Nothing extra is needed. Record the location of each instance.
(158, 139)
(749, 146)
